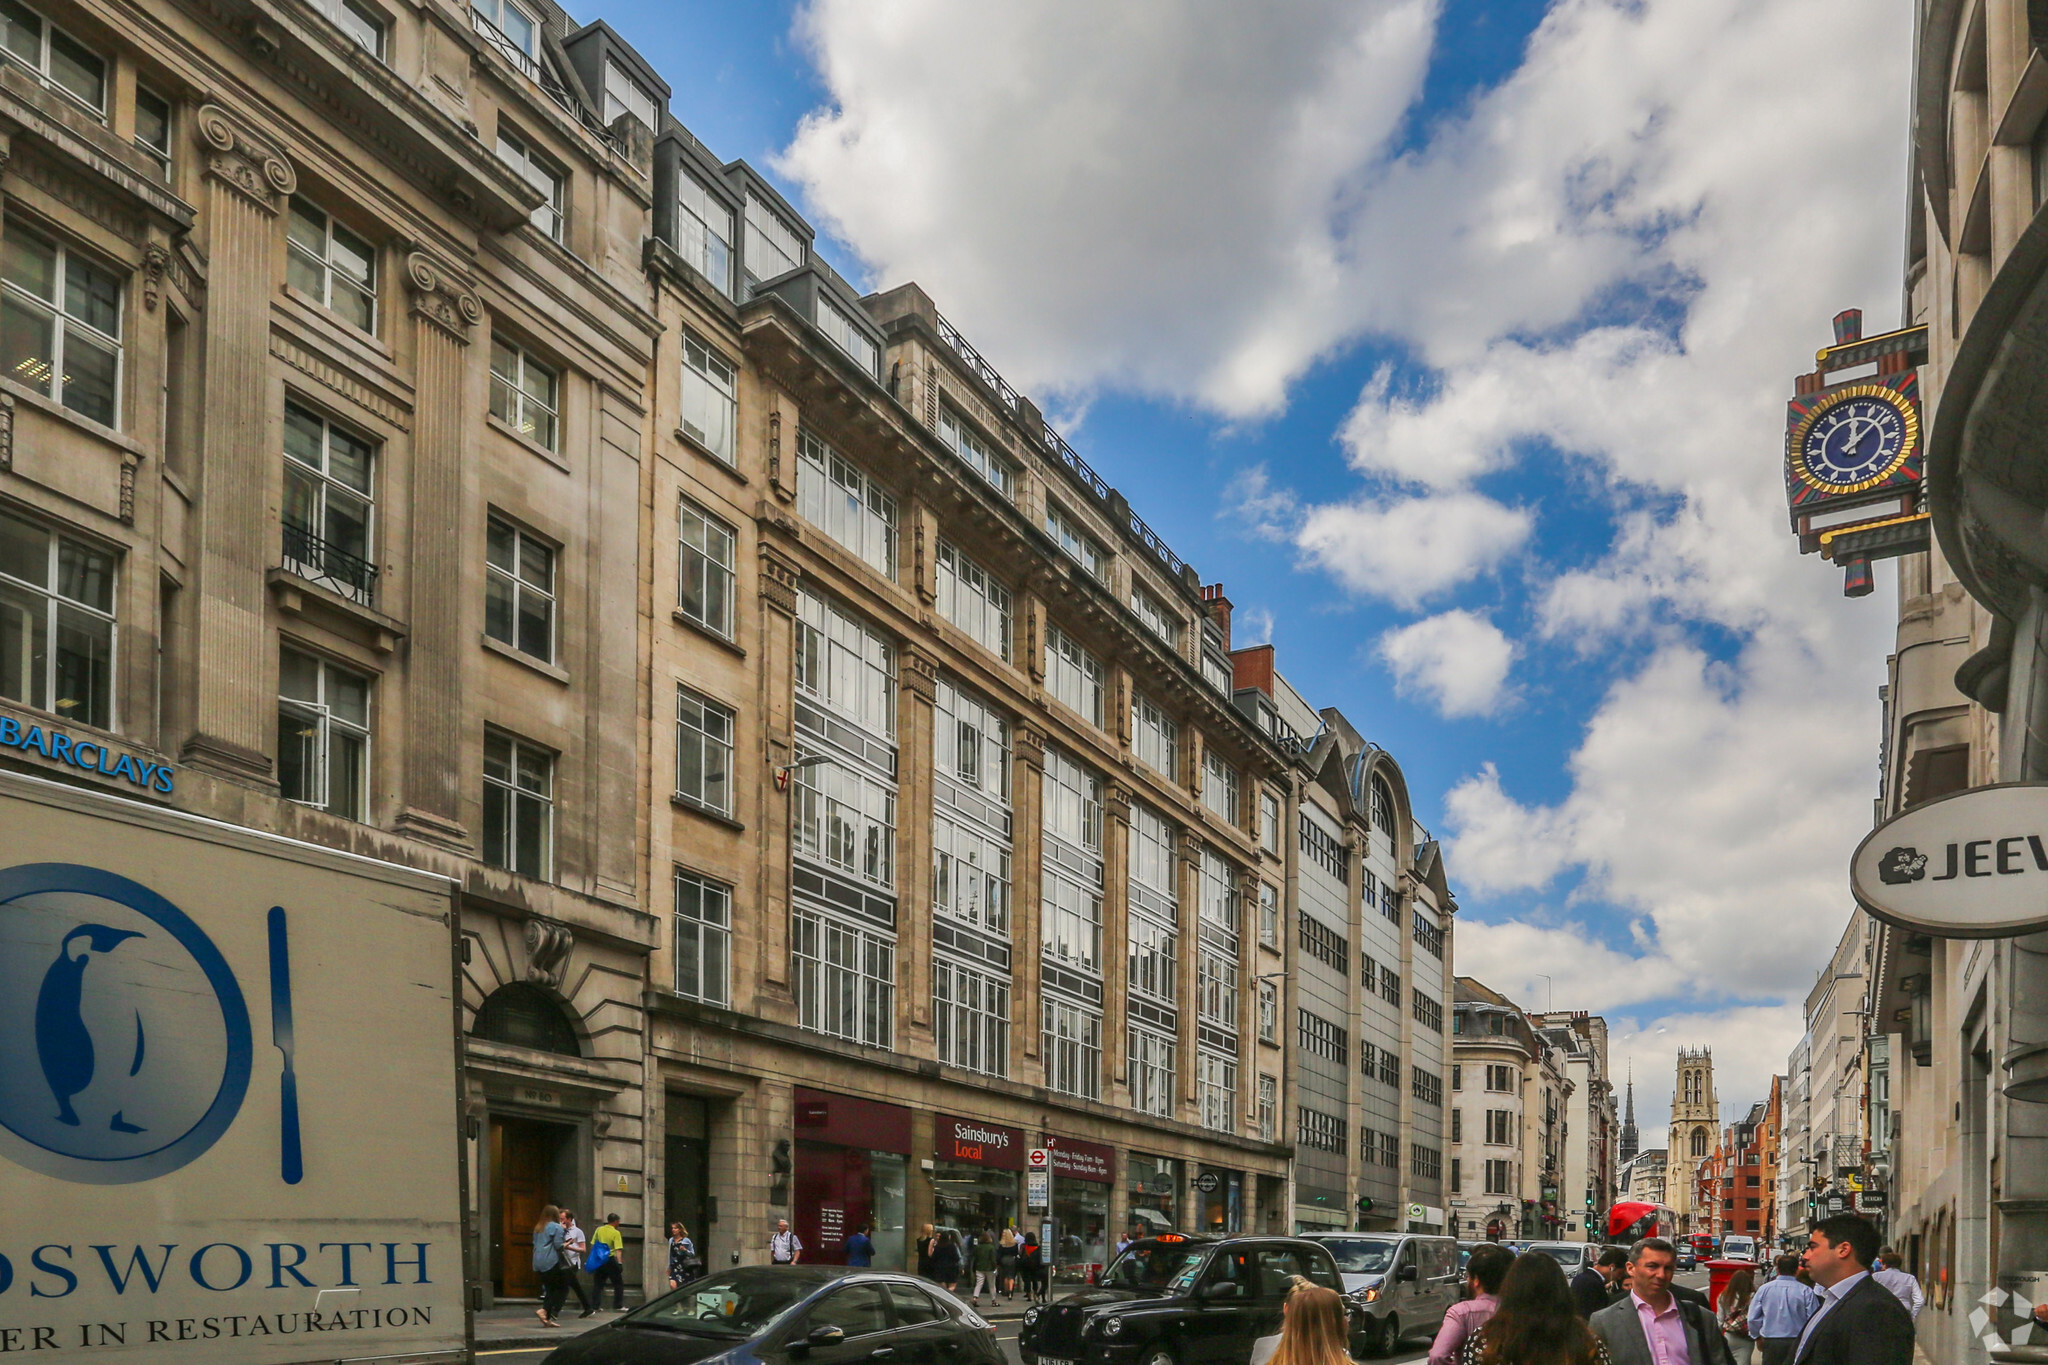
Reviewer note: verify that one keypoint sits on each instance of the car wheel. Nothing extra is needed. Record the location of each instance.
(1390, 1335)
(1159, 1354)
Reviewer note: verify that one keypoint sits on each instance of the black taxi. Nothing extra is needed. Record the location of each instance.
(1179, 1300)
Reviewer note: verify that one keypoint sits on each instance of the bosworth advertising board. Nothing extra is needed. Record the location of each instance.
(228, 1126)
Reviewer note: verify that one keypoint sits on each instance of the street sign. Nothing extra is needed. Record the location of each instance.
(1835, 1204)
(1416, 1211)
(1036, 1184)
(1870, 1199)
(1851, 1181)
(1970, 865)
(1208, 1182)
(1036, 1159)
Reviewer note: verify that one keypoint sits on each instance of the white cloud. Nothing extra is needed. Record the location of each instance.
(1409, 549)
(1541, 966)
(1457, 659)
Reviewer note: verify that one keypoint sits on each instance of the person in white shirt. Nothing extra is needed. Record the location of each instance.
(784, 1247)
(574, 1244)
(1900, 1282)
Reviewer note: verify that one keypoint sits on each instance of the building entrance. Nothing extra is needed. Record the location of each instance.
(532, 1166)
(688, 1192)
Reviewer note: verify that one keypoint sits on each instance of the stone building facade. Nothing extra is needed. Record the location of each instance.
(1510, 1121)
(1585, 1185)
(1695, 1130)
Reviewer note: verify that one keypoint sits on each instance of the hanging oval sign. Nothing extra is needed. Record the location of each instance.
(1969, 865)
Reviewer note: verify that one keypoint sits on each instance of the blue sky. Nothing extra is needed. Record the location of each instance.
(1451, 335)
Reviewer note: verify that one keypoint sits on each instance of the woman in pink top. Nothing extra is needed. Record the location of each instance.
(1484, 1272)
(1535, 1322)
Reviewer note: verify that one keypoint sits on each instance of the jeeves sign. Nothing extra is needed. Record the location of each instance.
(1970, 865)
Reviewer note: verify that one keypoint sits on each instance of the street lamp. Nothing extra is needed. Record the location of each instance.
(783, 770)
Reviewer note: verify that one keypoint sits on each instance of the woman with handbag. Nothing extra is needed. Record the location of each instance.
(1734, 1315)
(684, 1265)
(548, 1263)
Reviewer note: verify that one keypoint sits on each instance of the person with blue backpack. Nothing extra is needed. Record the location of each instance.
(604, 1264)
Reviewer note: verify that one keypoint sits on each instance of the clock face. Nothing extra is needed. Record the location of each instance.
(1856, 441)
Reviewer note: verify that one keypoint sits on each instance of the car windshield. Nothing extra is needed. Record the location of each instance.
(1155, 1265)
(738, 1304)
(1564, 1256)
(1361, 1255)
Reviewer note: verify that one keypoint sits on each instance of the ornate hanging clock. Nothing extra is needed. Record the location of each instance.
(1855, 438)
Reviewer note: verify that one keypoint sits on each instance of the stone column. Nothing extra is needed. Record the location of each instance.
(918, 675)
(1116, 938)
(444, 312)
(247, 185)
(777, 584)
(1027, 797)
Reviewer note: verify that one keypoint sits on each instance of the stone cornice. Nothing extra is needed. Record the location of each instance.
(244, 162)
(439, 296)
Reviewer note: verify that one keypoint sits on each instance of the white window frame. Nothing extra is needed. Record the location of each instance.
(327, 725)
(851, 999)
(515, 151)
(971, 598)
(844, 818)
(637, 99)
(1151, 1057)
(1269, 915)
(1154, 957)
(766, 234)
(1216, 1090)
(65, 328)
(1081, 547)
(1073, 676)
(1073, 802)
(526, 393)
(837, 652)
(839, 498)
(525, 55)
(839, 327)
(703, 920)
(698, 241)
(1155, 737)
(518, 794)
(1155, 616)
(707, 549)
(1071, 1046)
(326, 487)
(512, 584)
(976, 452)
(705, 732)
(49, 605)
(364, 25)
(327, 270)
(1219, 903)
(971, 1017)
(1269, 822)
(1220, 787)
(711, 399)
(159, 152)
(971, 838)
(41, 64)
(1269, 1012)
(1216, 988)
(1269, 1108)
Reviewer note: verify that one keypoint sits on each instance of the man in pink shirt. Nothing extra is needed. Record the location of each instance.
(1484, 1272)
(1654, 1326)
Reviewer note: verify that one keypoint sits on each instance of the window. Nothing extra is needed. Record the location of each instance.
(976, 453)
(1457, 1078)
(1497, 1177)
(839, 328)
(1324, 848)
(331, 265)
(60, 324)
(1390, 985)
(523, 393)
(704, 232)
(1390, 1149)
(845, 666)
(1500, 1127)
(1217, 884)
(1155, 616)
(1382, 806)
(1073, 802)
(1269, 916)
(1155, 949)
(624, 95)
(1219, 786)
(773, 247)
(1076, 542)
(1070, 893)
(153, 129)
(845, 977)
(1151, 1071)
(1322, 942)
(1457, 1125)
(1072, 675)
(1390, 1067)
(515, 152)
(1216, 989)
(1321, 1038)
(519, 805)
(837, 498)
(56, 624)
(328, 504)
(704, 734)
(519, 590)
(1072, 1048)
(323, 735)
(1426, 1086)
(705, 567)
(703, 939)
(520, 29)
(1369, 972)
(1457, 1176)
(1216, 1090)
(1425, 1163)
(1428, 1012)
(971, 1017)
(363, 25)
(1269, 1012)
(711, 403)
(1323, 1132)
(1430, 937)
(54, 56)
(1269, 822)
(971, 812)
(1269, 1107)
(846, 820)
(1500, 1079)
(1216, 672)
(1155, 737)
(973, 601)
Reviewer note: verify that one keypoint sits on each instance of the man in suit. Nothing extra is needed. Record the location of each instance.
(1595, 1287)
(1650, 1325)
(1859, 1321)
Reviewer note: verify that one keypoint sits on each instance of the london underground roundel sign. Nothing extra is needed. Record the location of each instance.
(1970, 865)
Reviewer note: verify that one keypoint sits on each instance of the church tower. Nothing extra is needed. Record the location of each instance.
(1629, 1138)
(1695, 1123)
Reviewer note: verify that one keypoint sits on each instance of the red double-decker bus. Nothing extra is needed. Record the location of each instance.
(1630, 1222)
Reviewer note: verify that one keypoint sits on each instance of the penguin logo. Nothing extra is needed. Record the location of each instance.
(125, 1046)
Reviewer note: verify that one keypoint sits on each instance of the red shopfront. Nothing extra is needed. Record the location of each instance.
(977, 1175)
(852, 1168)
(1083, 1174)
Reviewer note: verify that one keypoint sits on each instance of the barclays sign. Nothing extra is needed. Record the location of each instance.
(90, 756)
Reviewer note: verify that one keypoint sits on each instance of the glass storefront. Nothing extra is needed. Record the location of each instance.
(852, 1169)
(977, 1176)
(1082, 1174)
(1219, 1200)
(1153, 1184)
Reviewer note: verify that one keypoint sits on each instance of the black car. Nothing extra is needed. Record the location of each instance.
(1174, 1300)
(793, 1315)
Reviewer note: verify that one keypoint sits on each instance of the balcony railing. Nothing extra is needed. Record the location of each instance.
(986, 372)
(537, 71)
(318, 561)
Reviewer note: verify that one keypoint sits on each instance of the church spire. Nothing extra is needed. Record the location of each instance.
(1629, 1137)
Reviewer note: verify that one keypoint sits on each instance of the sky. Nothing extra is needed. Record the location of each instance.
(1452, 337)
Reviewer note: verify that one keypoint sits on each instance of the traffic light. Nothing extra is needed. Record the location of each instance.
(1589, 1201)
(1365, 1203)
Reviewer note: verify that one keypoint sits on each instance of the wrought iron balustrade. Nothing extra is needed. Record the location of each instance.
(327, 564)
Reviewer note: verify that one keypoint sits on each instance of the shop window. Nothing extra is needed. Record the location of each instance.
(523, 1015)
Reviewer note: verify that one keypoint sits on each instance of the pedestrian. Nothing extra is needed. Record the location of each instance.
(1684, 1330)
(946, 1261)
(1900, 1282)
(1734, 1316)
(1596, 1286)
(927, 1243)
(1483, 1276)
(683, 1262)
(1858, 1321)
(1778, 1312)
(1314, 1327)
(1535, 1322)
(984, 1267)
(610, 1269)
(1029, 1261)
(784, 1246)
(860, 1248)
(1006, 1261)
(574, 1247)
(548, 1264)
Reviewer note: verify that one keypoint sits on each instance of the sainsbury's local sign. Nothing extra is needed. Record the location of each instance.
(1970, 865)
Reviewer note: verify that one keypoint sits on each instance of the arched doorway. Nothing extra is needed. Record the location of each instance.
(533, 1161)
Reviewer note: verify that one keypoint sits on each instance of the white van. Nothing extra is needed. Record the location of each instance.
(1573, 1256)
(1738, 1248)
(1405, 1283)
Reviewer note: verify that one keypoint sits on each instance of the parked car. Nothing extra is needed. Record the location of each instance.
(1685, 1259)
(1573, 1256)
(1404, 1283)
(1179, 1300)
(791, 1315)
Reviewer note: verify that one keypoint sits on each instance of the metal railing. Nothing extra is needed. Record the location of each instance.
(986, 372)
(536, 71)
(319, 561)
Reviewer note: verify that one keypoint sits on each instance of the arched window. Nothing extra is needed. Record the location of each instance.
(1699, 1142)
(1382, 806)
(525, 1016)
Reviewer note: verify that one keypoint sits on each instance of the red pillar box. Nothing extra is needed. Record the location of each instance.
(1718, 1275)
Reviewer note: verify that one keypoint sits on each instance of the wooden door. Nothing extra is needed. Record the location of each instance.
(522, 1159)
